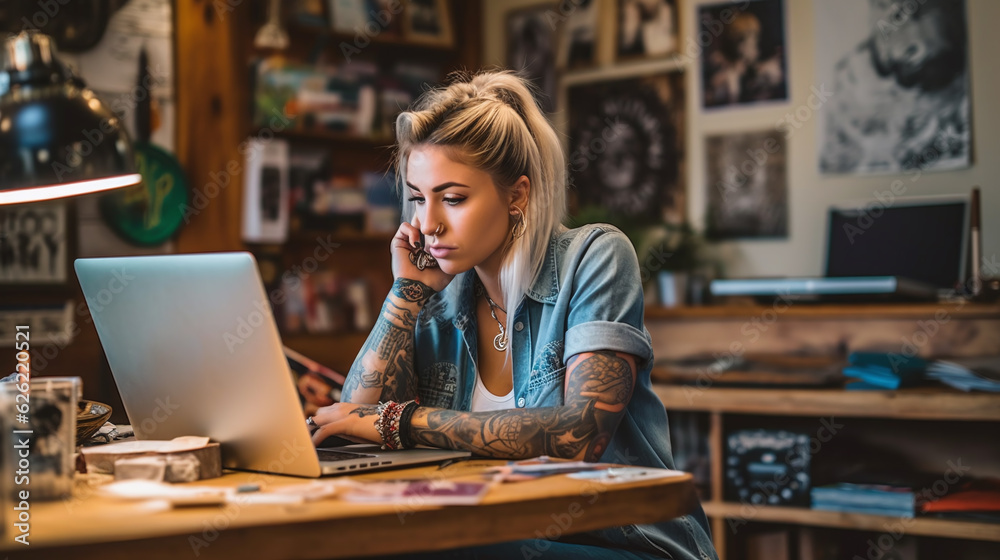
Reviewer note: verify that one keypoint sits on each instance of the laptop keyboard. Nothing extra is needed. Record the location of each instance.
(330, 455)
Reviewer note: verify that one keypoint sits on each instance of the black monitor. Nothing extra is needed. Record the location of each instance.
(920, 238)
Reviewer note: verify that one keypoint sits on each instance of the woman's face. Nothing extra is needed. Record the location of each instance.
(465, 202)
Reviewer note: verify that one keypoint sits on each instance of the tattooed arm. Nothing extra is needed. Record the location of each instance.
(598, 388)
(383, 369)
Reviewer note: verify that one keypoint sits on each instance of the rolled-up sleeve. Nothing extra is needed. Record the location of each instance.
(606, 307)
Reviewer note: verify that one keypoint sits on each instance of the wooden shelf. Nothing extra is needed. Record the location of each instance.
(929, 527)
(910, 404)
(828, 311)
(330, 136)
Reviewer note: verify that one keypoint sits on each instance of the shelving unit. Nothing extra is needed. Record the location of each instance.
(359, 254)
(954, 329)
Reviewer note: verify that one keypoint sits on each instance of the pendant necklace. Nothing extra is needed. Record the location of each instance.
(500, 340)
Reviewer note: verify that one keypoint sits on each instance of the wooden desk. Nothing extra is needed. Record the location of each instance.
(89, 526)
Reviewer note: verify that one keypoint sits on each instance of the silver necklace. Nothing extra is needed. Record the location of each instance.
(500, 340)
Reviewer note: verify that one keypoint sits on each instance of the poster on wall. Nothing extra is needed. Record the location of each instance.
(33, 245)
(893, 86)
(578, 35)
(747, 181)
(531, 50)
(646, 28)
(744, 62)
(626, 147)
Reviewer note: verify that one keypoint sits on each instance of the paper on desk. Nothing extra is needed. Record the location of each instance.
(419, 492)
(191, 495)
(620, 475)
(176, 445)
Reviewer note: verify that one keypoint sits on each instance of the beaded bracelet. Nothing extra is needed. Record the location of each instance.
(387, 412)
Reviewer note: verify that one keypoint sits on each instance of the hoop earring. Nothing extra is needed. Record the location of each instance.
(520, 226)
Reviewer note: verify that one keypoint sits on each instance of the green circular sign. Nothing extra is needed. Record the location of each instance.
(152, 211)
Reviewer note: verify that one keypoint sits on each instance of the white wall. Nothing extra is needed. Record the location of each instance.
(809, 193)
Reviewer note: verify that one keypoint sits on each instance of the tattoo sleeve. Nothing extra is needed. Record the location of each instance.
(598, 388)
(384, 368)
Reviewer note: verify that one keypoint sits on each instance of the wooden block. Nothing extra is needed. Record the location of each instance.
(102, 459)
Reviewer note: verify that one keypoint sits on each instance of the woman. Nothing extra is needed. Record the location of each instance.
(566, 372)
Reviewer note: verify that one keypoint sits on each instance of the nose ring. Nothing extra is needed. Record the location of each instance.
(438, 230)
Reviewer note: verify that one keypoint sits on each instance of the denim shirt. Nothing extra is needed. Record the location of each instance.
(586, 297)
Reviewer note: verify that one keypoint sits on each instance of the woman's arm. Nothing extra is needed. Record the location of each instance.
(383, 370)
(598, 388)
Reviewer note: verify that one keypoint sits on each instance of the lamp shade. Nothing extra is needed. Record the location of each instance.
(57, 139)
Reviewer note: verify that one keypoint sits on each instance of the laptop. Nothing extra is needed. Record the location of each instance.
(194, 350)
(911, 249)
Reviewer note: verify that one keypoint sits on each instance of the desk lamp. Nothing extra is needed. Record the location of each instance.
(57, 139)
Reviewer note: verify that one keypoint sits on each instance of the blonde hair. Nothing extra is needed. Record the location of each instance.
(490, 121)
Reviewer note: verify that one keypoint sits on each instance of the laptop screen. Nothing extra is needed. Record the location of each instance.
(920, 239)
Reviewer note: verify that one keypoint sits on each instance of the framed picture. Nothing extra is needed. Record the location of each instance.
(34, 245)
(531, 50)
(645, 28)
(747, 182)
(627, 147)
(265, 192)
(745, 61)
(347, 16)
(428, 21)
(578, 36)
(893, 96)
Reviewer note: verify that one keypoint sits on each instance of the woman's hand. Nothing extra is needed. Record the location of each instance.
(355, 422)
(407, 239)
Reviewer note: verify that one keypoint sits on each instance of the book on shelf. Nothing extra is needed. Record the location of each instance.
(875, 499)
(968, 374)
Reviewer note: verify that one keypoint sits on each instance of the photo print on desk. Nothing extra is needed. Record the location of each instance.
(34, 247)
(646, 28)
(531, 50)
(747, 181)
(893, 86)
(627, 147)
(744, 63)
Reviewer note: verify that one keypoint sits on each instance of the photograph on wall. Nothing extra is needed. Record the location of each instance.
(747, 181)
(428, 21)
(578, 35)
(33, 244)
(626, 147)
(646, 28)
(531, 50)
(893, 86)
(745, 61)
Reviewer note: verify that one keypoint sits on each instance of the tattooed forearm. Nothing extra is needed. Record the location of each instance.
(599, 386)
(383, 369)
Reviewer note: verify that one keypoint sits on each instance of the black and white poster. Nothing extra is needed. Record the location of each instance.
(531, 50)
(33, 245)
(578, 34)
(626, 146)
(744, 56)
(894, 86)
(747, 180)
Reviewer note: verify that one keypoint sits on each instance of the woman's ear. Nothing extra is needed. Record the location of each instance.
(519, 193)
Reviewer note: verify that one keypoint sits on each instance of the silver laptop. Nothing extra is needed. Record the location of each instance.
(194, 350)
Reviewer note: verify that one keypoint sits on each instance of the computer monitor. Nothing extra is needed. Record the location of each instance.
(919, 238)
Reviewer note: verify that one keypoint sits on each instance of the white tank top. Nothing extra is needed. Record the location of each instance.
(483, 399)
